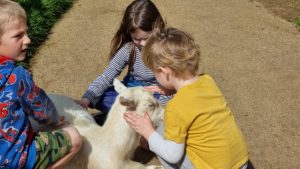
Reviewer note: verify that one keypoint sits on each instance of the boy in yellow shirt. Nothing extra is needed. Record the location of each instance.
(199, 129)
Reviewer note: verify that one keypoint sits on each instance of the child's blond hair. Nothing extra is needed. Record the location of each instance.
(10, 10)
(174, 49)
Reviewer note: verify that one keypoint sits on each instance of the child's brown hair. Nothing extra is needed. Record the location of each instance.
(174, 49)
(10, 10)
(140, 14)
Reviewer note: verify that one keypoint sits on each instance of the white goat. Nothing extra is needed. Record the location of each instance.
(111, 146)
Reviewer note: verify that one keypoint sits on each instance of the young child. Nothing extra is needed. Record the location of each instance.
(140, 18)
(21, 98)
(199, 129)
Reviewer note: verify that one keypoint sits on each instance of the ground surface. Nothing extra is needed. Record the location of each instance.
(252, 52)
(286, 9)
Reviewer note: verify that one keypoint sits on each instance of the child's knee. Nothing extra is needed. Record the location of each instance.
(76, 139)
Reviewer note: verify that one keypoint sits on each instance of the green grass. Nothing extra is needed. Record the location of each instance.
(297, 21)
(41, 16)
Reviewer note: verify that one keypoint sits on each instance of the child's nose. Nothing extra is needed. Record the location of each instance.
(27, 40)
(142, 43)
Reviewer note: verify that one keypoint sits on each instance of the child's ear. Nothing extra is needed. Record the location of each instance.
(164, 69)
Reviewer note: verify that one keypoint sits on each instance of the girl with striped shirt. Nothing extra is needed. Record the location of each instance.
(139, 20)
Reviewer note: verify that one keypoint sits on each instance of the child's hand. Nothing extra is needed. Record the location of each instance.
(61, 122)
(154, 88)
(141, 124)
(159, 89)
(83, 102)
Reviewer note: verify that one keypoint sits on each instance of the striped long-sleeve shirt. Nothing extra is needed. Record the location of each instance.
(117, 64)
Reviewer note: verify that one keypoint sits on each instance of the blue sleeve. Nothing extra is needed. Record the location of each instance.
(34, 100)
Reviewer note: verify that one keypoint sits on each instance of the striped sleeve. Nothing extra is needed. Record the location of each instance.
(114, 69)
(105, 80)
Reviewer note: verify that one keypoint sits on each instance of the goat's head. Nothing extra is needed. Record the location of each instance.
(139, 100)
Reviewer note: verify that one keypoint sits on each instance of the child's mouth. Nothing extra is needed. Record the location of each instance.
(24, 50)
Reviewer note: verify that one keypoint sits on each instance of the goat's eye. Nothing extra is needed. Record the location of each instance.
(153, 105)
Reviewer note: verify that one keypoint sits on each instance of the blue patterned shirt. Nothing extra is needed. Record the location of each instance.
(19, 99)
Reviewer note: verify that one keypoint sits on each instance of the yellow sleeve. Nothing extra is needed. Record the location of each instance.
(175, 125)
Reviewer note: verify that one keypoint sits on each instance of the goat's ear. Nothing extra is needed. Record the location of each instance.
(119, 86)
(128, 102)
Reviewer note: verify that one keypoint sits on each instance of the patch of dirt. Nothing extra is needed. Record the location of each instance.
(286, 9)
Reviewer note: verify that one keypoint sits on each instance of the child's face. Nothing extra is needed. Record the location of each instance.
(139, 37)
(14, 40)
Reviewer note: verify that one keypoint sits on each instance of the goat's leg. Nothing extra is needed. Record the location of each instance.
(155, 167)
(135, 165)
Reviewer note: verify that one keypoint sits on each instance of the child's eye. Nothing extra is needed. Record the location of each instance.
(18, 35)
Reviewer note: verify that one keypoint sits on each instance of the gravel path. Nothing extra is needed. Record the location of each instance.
(253, 55)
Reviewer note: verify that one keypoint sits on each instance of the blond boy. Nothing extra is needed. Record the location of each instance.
(199, 129)
(21, 98)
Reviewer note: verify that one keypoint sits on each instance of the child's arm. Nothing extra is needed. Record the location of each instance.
(160, 90)
(105, 80)
(36, 103)
(84, 102)
(169, 150)
(42, 108)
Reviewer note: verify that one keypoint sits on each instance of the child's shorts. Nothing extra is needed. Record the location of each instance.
(50, 147)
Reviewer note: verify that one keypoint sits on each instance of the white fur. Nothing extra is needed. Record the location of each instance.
(111, 146)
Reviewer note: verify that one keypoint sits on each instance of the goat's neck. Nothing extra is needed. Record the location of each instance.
(116, 122)
(126, 138)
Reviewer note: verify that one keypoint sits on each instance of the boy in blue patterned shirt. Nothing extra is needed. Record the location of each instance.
(20, 99)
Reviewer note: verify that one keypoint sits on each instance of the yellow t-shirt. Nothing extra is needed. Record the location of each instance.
(198, 116)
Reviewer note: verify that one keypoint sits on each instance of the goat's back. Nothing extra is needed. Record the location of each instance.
(112, 145)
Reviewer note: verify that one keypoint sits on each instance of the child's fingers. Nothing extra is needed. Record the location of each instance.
(83, 102)
(133, 119)
(62, 118)
(146, 115)
(129, 118)
(151, 88)
(76, 101)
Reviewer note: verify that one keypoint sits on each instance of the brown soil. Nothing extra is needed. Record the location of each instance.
(286, 9)
(252, 53)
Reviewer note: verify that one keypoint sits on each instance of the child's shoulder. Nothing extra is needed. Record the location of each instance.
(125, 48)
(206, 78)
(9, 67)
(21, 71)
(127, 45)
